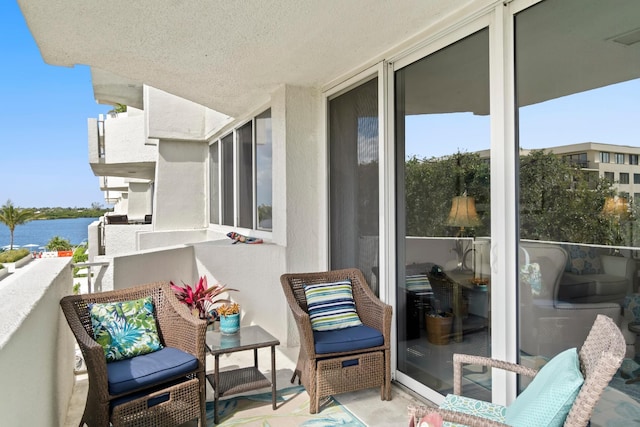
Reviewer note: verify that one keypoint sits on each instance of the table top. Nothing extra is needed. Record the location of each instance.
(247, 338)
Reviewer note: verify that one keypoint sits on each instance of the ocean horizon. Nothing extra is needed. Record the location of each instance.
(37, 233)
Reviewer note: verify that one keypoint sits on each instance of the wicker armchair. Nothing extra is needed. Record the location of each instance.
(327, 374)
(600, 357)
(181, 397)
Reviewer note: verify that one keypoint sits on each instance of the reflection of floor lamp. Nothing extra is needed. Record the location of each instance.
(616, 209)
(463, 214)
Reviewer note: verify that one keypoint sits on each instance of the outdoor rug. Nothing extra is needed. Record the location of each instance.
(292, 405)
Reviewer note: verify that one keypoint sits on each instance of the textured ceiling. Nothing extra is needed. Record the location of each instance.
(226, 55)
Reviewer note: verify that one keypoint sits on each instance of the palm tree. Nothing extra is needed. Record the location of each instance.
(12, 216)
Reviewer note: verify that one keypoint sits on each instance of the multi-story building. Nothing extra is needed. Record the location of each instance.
(290, 122)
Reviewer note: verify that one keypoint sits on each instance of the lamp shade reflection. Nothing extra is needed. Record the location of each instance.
(463, 213)
(616, 207)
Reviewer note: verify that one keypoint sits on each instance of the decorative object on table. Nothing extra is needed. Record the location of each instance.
(239, 238)
(530, 274)
(229, 315)
(201, 299)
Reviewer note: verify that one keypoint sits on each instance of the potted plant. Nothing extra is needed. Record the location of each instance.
(229, 314)
(201, 299)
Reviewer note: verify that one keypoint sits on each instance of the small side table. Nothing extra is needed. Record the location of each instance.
(241, 379)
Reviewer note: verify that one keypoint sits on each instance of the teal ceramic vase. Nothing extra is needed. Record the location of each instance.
(230, 324)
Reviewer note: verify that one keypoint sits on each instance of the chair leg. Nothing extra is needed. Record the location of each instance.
(202, 422)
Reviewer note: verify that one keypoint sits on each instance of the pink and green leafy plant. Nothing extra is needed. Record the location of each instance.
(201, 297)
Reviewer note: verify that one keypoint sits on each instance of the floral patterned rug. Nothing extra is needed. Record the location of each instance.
(292, 410)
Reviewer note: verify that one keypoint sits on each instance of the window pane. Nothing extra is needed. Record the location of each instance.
(263, 170)
(214, 184)
(245, 175)
(353, 168)
(227, 180)
(575, 84)
(443, 212)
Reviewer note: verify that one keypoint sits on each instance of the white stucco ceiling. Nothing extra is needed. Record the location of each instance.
(226, 55)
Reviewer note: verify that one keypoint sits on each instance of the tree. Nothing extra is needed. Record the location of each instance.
(12, 216)
(57, 243)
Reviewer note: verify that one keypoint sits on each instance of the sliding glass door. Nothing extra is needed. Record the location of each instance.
(443, 283)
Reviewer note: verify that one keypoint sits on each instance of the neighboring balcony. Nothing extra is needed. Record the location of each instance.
(118, 146)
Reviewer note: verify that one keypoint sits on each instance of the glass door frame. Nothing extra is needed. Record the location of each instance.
(499, 21)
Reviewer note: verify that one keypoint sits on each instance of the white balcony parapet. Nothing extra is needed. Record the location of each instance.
(36, 345)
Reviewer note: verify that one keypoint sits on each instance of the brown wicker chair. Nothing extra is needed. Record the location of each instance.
(184, 397)
(600, 357)
(327, 374)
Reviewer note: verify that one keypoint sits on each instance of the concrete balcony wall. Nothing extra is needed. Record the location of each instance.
(125, 140)
(93, 239)
(140, 200)
(36, 345)
(160, 239)
(122, 239)
(177, 264)
(255, 271)
(113, 183)
(171, 117)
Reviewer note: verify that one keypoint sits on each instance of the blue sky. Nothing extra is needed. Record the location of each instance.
(43, 128)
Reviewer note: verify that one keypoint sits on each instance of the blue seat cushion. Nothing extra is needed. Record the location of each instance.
(347, 339)
(149, 369)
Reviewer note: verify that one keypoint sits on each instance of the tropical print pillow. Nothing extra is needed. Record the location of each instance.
(125, 329)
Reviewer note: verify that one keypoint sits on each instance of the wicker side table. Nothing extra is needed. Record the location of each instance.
(241, 379)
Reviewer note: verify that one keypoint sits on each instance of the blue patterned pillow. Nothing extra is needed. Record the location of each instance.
(125, 329)
(547, 400)
(331, 306)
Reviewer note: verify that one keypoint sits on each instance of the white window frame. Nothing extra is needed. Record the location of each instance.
(253, 230)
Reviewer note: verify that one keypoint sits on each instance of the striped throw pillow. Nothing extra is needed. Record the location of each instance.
(331, 306)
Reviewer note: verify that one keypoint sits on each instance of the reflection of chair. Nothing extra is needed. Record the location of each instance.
(548, 325)
(164, 387)
(599, 358)
(332, 361)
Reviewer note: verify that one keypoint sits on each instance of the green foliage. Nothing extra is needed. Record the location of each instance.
(431, 184)
(557, 200)
(14, 255)
(79, 255)
(96, 210)
(12, 216)
(57, 243)
(76, 288)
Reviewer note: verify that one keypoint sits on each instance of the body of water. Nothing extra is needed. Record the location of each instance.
(39, 232)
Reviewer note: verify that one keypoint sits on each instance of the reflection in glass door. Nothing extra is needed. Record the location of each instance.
(578, 87)
(443, 284)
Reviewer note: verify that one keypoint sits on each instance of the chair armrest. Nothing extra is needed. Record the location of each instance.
(460, 359)
(303, 322)
(618, 266)
(417, 412)
(92, 352)
(181, 329)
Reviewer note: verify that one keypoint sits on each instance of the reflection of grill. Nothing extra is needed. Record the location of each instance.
(442, 292)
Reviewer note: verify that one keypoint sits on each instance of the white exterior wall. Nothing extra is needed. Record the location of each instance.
(255, 271)
(172, 264)
(299, 178)
(125, 140)
(181, 196)
(36, 345)
(139, 200)
(172, 117)
(122, 238)
(93, 239)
